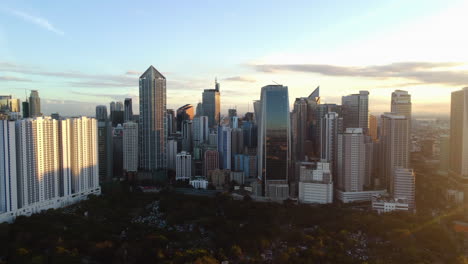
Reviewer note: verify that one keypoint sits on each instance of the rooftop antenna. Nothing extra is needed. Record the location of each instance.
(276, 83)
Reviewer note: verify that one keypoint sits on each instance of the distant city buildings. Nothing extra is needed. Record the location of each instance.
(128, 110)
(34, 104)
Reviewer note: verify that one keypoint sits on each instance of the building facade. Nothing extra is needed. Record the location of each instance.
(152, 121)
(130, 147)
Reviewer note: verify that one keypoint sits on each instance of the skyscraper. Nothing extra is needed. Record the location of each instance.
(200, 130)
(351, 160)
(171, 153)
(404, 185)
(274, 141)
(101, 112)
(300, 128)
(373, 127)
(211, 105)
(128, 110)
(34, 104)
(330, 126)
(183, 166)
(25, 106)
(401, 105)
(184, 113)
(211, 161)
(224, 147)
(356, 110)
(171, 122)
(8, 175)
(104, 144)
(152, 126)
(458, 166)
(112, 107)
(187, 136)
(394, 146)
(130, 147)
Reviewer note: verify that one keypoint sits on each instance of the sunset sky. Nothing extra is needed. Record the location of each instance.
(79, 54)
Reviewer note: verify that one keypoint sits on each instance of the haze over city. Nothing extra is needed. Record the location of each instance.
(79, 55)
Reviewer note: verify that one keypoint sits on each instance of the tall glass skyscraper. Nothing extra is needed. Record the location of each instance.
(356, 110)
(152, 126)
(211, 105)
(274, 140)
(34, 104)
(128, 110)
(458, 161)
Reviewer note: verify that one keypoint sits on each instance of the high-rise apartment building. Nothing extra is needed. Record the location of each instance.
(152, 124)
(183, 166)
(187, 136)
(458, 166)
(130, 147)
(128, 110)
(34, 104)
(212, 105)
(355, 110)
(394, 146)
(274, 141)
(56, 164)
(351, 154)
(8, 174)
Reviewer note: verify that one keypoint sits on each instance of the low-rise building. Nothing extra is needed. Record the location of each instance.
(385, 204)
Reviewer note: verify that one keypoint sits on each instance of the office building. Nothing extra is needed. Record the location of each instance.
(171, 154)
(351, 155)
(401, 105)
(224, 147)
(385, 204)
(404, 186)
(184, 113)
(101, 112)
(373, 127)
(330, 125)
(199, 110)
(152, 124)
(237, 141)
(355, 110)
(212, 105)
(237, 176)
(247, 164)
(200, 130)
(315, 183)
(211, 161)
(394, 146)
(104, 144)
(25, 106)
(458, 166)
(187, 136)
(128, 110)
(130, 147)
(34, 104)
(274, 141)
(183, 166)
(171, 122)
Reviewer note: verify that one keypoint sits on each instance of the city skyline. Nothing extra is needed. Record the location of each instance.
(340, 52)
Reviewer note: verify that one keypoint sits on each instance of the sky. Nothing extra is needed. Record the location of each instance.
(80, 54)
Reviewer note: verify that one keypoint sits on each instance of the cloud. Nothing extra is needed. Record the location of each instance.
(117, 97)
(42, 22)
(239, 79)
(77, 79)
(14, 79)
(444, 73)
(131, 72)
